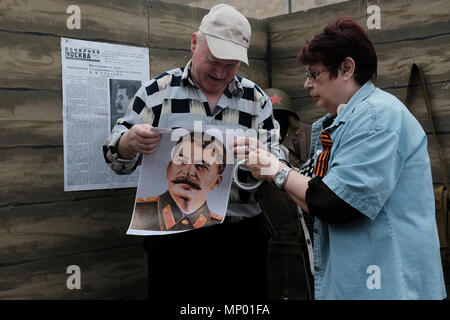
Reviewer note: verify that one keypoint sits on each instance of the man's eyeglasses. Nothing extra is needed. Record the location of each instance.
(314, 74)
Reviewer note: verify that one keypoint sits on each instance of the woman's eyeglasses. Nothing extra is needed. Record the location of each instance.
(314, 74)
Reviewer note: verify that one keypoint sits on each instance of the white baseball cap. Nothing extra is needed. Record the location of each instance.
(227, 32)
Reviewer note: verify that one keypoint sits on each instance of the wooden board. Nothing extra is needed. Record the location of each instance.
(31, 232)
(395, 60)
(112, 20)
(30, 61)
(288, 33)
(410, 19)
(35, 175)
(172, 25)
(31, 118)
(115, 273)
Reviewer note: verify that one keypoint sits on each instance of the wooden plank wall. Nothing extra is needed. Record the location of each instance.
(43, 229)
(411, 31)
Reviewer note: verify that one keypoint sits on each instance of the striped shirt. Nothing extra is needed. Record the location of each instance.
(172, 100)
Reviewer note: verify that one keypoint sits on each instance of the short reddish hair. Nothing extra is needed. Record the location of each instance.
(341, 39)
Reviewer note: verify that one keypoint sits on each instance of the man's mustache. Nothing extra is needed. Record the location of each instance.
(187, 180)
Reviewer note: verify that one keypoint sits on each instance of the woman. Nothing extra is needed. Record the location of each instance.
(371, 189)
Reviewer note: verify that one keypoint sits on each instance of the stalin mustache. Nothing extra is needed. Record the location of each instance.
(187, 180)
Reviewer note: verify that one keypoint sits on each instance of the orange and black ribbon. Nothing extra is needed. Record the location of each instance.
(321, 167)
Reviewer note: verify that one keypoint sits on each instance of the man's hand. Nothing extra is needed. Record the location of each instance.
(139, 139)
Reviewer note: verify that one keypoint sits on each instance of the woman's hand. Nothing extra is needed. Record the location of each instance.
(259, 160)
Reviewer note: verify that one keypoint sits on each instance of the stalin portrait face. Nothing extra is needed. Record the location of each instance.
(195, 169)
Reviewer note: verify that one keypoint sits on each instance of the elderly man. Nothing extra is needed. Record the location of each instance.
(183, 206)
(209, 90)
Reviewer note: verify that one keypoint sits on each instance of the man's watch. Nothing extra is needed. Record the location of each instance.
(281, 176)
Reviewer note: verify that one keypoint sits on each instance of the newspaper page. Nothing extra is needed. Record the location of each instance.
(98, 82)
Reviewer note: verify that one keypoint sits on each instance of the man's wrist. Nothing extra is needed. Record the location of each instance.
(123, 149)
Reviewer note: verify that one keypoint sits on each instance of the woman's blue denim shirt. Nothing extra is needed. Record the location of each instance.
(379, 164)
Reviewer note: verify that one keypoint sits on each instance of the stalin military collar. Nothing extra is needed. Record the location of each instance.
(169, 207)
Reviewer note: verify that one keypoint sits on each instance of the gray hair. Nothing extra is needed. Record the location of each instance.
(200, 37)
